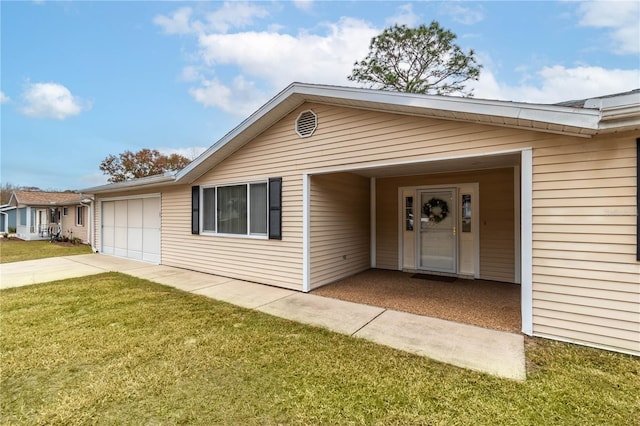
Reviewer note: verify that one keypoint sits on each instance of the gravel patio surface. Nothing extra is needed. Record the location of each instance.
(487, 304)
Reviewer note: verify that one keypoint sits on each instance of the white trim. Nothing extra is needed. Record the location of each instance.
(415, 161)
(228, 235)
(139, 183)
(475, 225)
(129, 197)
(90, 224)
(306, 180)
(516, 225)
(527, 242)
(248, 234)
(373, 218)
(400, 205)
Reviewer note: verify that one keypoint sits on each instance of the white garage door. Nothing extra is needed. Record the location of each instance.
(131, 228)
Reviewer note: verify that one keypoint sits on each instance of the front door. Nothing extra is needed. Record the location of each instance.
(437, 239)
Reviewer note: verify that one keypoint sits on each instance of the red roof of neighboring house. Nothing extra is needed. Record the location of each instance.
(42, 198)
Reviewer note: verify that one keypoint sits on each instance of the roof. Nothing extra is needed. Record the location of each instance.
(575, 118)
(42, 198)
(588, 103)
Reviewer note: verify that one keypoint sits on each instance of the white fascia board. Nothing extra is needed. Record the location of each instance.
(237, 131)
(132, 184)
(567, 116)
(613, 101)
(378, 99)
(626, 117)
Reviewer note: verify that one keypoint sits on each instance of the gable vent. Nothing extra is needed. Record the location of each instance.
(306, 123)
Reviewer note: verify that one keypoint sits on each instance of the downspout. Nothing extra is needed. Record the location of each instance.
(90, 223)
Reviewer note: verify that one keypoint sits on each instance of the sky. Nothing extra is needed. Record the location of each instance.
(82, 80)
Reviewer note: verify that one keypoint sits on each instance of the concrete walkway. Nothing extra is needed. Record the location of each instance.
(490, 351)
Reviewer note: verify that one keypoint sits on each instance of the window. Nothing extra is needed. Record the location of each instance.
(235, 209)
(232, 209)
(79, 216)
(208, 205)
(258, 211)
(22, 216)
(65, 211)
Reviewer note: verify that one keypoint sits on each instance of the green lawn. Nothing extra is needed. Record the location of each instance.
(18, 250)
(113, 349)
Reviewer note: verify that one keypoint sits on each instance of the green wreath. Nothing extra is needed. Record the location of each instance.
(436, 209)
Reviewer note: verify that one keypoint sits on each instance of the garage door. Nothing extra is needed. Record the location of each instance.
(131, 228)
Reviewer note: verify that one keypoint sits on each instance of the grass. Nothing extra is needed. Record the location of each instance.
(17, 250)
(113, 349)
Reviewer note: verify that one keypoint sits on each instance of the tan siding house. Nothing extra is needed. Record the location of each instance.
(324, 182)
(41, 214)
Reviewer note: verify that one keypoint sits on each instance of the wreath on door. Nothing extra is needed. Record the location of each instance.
(435, 209)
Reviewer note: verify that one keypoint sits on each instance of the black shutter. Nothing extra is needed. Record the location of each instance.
(195, 209)
(275, 208)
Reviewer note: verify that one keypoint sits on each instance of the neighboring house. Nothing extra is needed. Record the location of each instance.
(323, 182)
(7, 218)
(40, 214)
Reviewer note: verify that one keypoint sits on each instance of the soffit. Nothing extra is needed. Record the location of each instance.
(435, 166)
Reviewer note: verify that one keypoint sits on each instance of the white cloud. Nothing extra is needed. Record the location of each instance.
(51, 100)
(621, 17)
(283, 58)
(278, 60)
(190, 152)
(234, 15)
(557, 83)
(4, 98)
(305, 5)
(229, 15)
(177, 23)
(239, 71)
(240, 98)
(463, 14)
(404, 16)
(191, 73)
(95, 179)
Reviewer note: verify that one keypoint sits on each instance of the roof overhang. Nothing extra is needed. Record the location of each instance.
(601, 115)
(140, 183)
(618, 113)
(537, 117)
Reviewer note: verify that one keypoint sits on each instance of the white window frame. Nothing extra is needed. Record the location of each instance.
(248, 234)
(79, 215)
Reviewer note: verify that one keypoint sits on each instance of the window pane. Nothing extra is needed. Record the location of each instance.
(232, 209)
(258, 216)
(209, 209)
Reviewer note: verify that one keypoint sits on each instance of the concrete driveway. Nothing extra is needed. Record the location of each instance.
(481, 349)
